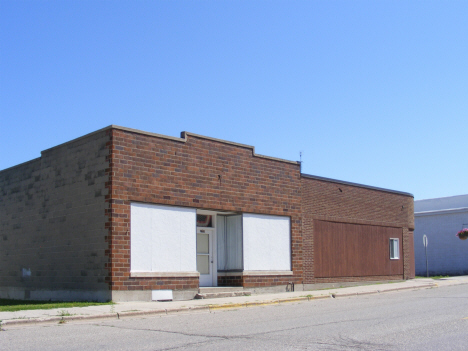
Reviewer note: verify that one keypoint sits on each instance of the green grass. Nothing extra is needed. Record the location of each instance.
(64, 313)
(8, 305)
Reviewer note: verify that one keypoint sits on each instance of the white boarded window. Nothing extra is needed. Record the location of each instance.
(163, 238)
(266, 242)
(394, 249)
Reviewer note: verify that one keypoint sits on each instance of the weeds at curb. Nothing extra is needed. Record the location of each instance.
(64, 313)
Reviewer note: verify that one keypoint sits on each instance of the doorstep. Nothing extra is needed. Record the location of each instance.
(221, 291)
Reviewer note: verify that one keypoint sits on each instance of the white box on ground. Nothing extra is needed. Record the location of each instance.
(161, 295)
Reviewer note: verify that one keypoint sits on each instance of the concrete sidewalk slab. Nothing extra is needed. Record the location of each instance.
(139, 309)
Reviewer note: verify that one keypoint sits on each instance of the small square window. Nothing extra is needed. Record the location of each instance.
(204, 220)
(394, 249)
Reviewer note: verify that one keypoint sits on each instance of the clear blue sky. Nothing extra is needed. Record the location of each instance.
(372, 92)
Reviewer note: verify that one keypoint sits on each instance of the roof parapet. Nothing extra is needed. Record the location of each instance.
(185, 135)
(355, 184)
(183, 139)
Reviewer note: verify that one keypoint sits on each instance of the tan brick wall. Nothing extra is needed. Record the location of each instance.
(337, 202)
(200, 173)
(52, 221)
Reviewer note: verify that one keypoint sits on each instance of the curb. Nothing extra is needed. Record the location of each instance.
(267, 302)
(57, 319)
(209, 308)
(431, 285)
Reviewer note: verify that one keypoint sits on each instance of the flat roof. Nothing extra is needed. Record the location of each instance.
(441, 203)
(330, 180)
(184, 137)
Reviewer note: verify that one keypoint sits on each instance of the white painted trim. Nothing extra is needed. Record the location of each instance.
(206, 212)
(214, 265)
(213, 218)
(213, 235)
(163, 274)
(397, 256)
(211, 231)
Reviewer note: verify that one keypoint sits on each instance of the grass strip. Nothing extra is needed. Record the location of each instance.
(9, 305)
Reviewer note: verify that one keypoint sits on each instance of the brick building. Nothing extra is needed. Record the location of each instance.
(124, 214)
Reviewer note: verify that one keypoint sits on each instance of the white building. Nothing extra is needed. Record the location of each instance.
(440, 219)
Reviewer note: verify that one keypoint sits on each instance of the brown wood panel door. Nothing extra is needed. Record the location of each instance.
(355, 250)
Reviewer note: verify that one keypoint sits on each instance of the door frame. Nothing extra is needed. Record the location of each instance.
(213, 247)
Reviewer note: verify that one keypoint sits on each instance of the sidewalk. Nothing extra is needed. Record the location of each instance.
(134, 309)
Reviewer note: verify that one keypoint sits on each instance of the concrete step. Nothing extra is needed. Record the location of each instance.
(219, 289)
(222, 294)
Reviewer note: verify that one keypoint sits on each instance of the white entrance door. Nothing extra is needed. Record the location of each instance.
(205, 257)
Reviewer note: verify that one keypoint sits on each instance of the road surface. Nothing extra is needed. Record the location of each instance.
(427, 319)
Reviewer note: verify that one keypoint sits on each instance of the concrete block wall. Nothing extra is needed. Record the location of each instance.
(52, 224)
(447, 254)
(336, 201)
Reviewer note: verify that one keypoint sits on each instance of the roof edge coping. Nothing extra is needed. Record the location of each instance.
(79, 138)
(446, 210)
(20, 164)
(182, 139)
(356, 184)
(186, 134)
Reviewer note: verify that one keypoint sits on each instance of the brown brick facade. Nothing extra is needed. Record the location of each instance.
(357, 279)
(268, 280)
(66, 215)
(171, 283)
(335, 201)
(230, 280)
(201, 173)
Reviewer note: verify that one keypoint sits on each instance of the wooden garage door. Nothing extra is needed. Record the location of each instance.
(354, 250)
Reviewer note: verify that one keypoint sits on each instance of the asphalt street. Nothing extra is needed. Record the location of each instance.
(426, 319)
